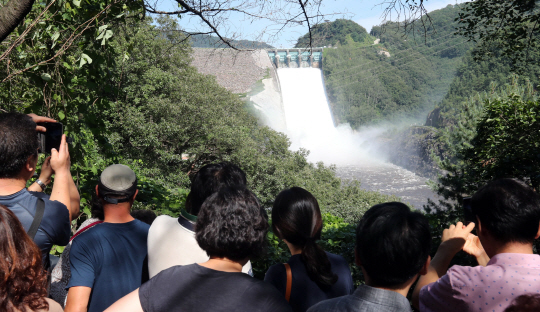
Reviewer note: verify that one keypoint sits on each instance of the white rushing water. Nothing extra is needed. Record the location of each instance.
(309, 125)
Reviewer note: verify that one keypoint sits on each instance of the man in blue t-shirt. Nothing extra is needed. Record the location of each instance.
(18, 160)
(108, 261)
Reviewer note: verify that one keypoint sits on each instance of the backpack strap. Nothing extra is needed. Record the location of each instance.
(40, 211)
(289, 281)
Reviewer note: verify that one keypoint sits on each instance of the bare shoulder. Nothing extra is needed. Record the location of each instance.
(54, 306)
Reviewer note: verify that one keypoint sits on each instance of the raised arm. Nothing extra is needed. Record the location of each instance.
(63, 182)
(44, 176)
(453, 240)
(74, 198)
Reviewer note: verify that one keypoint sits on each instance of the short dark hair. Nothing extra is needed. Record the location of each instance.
(209, 180)
(525, 303)
(18, 141)
(509, 209)
(232, 224)
(145, 215)
(392, 243)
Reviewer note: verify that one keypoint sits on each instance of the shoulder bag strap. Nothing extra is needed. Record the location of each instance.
(40, 211)
(84, 229)
(289, 281)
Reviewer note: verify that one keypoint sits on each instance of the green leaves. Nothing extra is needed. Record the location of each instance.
(85, 59)
(104, 34)
(46, 77)
(510, 28)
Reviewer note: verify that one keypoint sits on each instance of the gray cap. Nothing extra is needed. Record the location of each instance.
(118, 178)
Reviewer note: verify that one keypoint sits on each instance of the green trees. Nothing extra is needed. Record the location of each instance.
(496, 135)
(510, 28)
(364, 85)
(340, 31)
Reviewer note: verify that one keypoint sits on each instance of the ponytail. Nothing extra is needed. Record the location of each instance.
(317, 265)
(296, 217)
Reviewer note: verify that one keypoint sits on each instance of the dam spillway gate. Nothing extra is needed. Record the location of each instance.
(296, 58)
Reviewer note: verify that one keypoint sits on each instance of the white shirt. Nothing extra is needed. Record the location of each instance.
(170, 244)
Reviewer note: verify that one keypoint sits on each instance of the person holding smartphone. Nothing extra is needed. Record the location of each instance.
(46, 218)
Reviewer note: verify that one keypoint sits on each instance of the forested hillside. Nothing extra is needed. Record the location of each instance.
(403, 75)
(338, 32)
(474, 77)
(208, 41)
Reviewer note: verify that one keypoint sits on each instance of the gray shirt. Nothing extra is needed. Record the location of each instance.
(365, 299)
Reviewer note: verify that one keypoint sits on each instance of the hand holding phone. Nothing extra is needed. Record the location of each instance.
(51, 138)
(60, 161)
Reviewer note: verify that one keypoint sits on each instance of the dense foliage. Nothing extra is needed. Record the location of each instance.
(496, 136)
(508, 28)
(338, 32)
(402, 75)
(208, 41)
(474, 76)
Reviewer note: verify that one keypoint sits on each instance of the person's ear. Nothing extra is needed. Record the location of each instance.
(538, 232)
(97, 192)
(478, 226)
(425, 268)
(31, 163)
(357, 258)
(135, 195)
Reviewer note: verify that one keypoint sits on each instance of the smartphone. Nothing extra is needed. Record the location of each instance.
(52, 138)
(467, 211)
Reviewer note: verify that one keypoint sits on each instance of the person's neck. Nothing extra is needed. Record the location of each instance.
(117, 213)
(224, 264)
(11, 186)
(402, 289)
(295, 250)
(512, 247)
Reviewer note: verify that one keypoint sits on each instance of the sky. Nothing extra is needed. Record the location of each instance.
(367, 13)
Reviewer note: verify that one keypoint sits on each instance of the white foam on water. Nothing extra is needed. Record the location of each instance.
(309, 125)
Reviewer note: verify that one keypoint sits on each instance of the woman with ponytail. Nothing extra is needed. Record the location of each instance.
(311, 275)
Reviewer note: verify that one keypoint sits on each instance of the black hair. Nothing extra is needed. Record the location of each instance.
(18, 141)
(231, 224)
(296, 217)
(145, 215)
(210, 179)
(96, 207)
(509, 209)
(525, 303)
(392, 244)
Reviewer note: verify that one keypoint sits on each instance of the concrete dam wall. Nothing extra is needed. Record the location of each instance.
(246, 72)
(254, 73)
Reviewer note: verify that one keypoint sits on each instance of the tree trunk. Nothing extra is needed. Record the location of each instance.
(12, 14)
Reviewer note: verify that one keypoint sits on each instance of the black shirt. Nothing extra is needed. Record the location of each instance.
(304, 291)
(193, 288)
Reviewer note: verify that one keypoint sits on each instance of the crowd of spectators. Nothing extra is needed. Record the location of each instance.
(124, 260)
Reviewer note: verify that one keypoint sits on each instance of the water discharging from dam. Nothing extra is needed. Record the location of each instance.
(310, 126)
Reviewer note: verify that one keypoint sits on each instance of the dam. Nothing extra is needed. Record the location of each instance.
(286, 87)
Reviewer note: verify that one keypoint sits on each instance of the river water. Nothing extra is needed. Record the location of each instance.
(309, 125)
